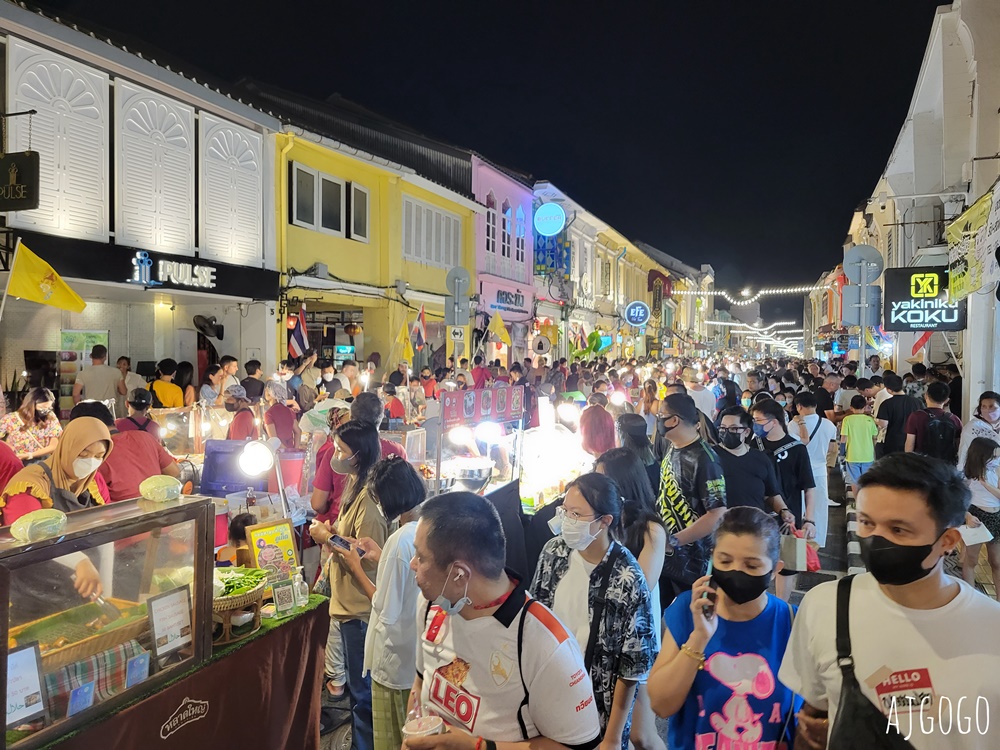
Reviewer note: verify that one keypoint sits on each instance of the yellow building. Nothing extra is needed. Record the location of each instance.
(365, 242)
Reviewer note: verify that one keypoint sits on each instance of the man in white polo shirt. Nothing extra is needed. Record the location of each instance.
(496, 665)
(905, 650)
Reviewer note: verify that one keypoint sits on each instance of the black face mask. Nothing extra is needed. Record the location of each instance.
(741, 587)
(230, 406)
(731, 439)
(661, 426)
(895, 564)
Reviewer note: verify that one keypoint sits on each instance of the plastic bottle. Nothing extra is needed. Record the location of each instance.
(300, 589)
(251, 497)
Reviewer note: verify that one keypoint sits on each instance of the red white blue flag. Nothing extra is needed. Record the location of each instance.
(419, 331)
(298, 336)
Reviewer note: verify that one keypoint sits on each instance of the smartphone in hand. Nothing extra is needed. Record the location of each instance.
(339, 541)
(709, 599)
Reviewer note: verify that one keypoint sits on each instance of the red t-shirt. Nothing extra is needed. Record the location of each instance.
(283, 419)
(127, 424)
(916, 424)
(242, 426)
(395, 407)
(480, 376)
(137, 456)
(429, 388)
(327, 480)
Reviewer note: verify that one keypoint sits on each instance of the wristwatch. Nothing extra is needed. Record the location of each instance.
(806, 520)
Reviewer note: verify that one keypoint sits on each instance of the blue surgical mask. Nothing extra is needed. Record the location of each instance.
(445, 604)
(746, 402)
(760, 430)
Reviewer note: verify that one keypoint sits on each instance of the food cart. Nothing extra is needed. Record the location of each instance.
(136, 666)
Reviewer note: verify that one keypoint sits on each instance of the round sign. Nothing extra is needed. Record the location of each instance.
(550, 219)
(541, 345)
(637, 313)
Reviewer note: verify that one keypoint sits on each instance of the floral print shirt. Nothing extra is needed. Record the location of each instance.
(31, 440)
(626, 643)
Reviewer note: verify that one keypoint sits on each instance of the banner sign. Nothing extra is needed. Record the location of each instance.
(917, 299)
(973, 241)
(19, 180)
(513, 302)
(485, 405)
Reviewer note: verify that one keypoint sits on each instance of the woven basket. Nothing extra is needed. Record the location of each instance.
(226, 603)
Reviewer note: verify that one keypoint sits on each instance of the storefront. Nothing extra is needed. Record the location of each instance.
(151, 305)
(514, 303)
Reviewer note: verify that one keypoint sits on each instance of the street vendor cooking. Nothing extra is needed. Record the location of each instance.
(67, 481)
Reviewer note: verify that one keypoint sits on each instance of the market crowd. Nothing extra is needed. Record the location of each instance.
(658, 584)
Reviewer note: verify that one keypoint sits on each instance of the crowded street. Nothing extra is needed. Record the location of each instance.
(367, 387)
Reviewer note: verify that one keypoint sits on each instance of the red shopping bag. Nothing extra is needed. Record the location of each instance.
(812, 556)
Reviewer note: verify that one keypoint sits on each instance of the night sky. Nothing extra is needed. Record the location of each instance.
(741, 134)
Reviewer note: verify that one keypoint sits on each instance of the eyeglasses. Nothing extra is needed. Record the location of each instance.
(572, 514)
(734, 430)
(667, 416)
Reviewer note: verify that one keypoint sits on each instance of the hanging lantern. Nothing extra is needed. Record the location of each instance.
(353, 329)
(291, 321)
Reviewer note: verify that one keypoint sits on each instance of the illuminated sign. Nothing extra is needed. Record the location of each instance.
(637, 313)
(170, 272)
(916, 299)
(550, 219)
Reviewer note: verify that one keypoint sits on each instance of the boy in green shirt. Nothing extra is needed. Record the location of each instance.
(858, 432)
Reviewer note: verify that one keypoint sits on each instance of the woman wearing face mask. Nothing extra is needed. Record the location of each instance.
(985, 422)
(357, 451)
(746, 399)
(715, 676)
(981, 462)
(33, 430)
(645, 537)
(211, 386)
(597, 589)
(67, 481)
(279, 420)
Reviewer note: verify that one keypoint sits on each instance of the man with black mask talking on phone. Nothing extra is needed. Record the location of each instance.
(882, 657)
(692, 496)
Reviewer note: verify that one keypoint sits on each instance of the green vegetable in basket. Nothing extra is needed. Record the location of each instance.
(238, 581)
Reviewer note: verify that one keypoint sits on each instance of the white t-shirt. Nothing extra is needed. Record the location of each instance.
(819, 444)
(392, 631)
(472, 678)
(982, 498)
(704, 400)
(571, 601)
(951, 652)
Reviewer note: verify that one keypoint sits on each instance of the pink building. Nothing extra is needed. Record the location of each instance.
(504, 253)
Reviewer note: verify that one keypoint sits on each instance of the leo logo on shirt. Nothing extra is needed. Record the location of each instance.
(447, 694)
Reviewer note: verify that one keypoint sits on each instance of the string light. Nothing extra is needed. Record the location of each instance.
(747, 298)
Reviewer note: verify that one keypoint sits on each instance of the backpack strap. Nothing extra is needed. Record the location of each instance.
(520, 670)
(816, 428)
(844, 659)
(141, 427)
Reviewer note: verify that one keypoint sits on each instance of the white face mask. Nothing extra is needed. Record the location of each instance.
(84, 467)
(577, 534)
(445, 603)
(286, 376)
(328, 377)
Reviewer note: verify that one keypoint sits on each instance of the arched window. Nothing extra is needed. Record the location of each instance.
(520, 236)
(491, 223)
(505, 222)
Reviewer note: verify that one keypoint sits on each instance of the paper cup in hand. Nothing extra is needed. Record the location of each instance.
(423, 726)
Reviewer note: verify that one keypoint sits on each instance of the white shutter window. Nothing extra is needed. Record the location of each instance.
(154, 171)
(436, 235)
(70, 133)
(231, 192)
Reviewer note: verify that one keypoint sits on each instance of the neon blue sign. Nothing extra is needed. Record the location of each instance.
(637, 313)
(550, 219)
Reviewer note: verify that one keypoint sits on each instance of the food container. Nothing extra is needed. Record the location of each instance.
(423, 726)
(38, 525)
(160, 488)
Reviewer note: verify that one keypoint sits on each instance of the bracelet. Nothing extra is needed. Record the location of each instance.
(479, 743)
(806, 520)
(698, 656)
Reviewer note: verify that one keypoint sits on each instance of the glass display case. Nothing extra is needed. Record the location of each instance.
(112, 606)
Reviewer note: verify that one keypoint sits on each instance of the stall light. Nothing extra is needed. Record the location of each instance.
(24, 373)
(449, 385)
(259, 457)
(488, 432)
(460, 435)
(206, 427)
(223, 422)
(569, 413)
(256, 421)
(617, 398)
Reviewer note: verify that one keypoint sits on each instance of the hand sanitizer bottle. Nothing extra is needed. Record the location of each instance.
(300, 589)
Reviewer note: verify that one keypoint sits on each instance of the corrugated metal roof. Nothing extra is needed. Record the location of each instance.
(356, 126)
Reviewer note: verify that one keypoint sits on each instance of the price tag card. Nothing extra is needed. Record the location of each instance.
(81, 699)
(170, 618)
(137, 670)
(25, 687)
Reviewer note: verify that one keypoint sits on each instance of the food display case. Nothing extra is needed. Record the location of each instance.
(479, 442)
(551, 458)
(147, 615)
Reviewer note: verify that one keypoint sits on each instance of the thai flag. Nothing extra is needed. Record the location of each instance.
(298, 336)
(420, 329)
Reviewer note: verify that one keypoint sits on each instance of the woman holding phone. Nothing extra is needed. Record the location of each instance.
(716, 675)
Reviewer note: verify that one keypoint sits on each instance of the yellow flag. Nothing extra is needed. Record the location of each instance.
(497, 328)
(33, 279)
(403, 339)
